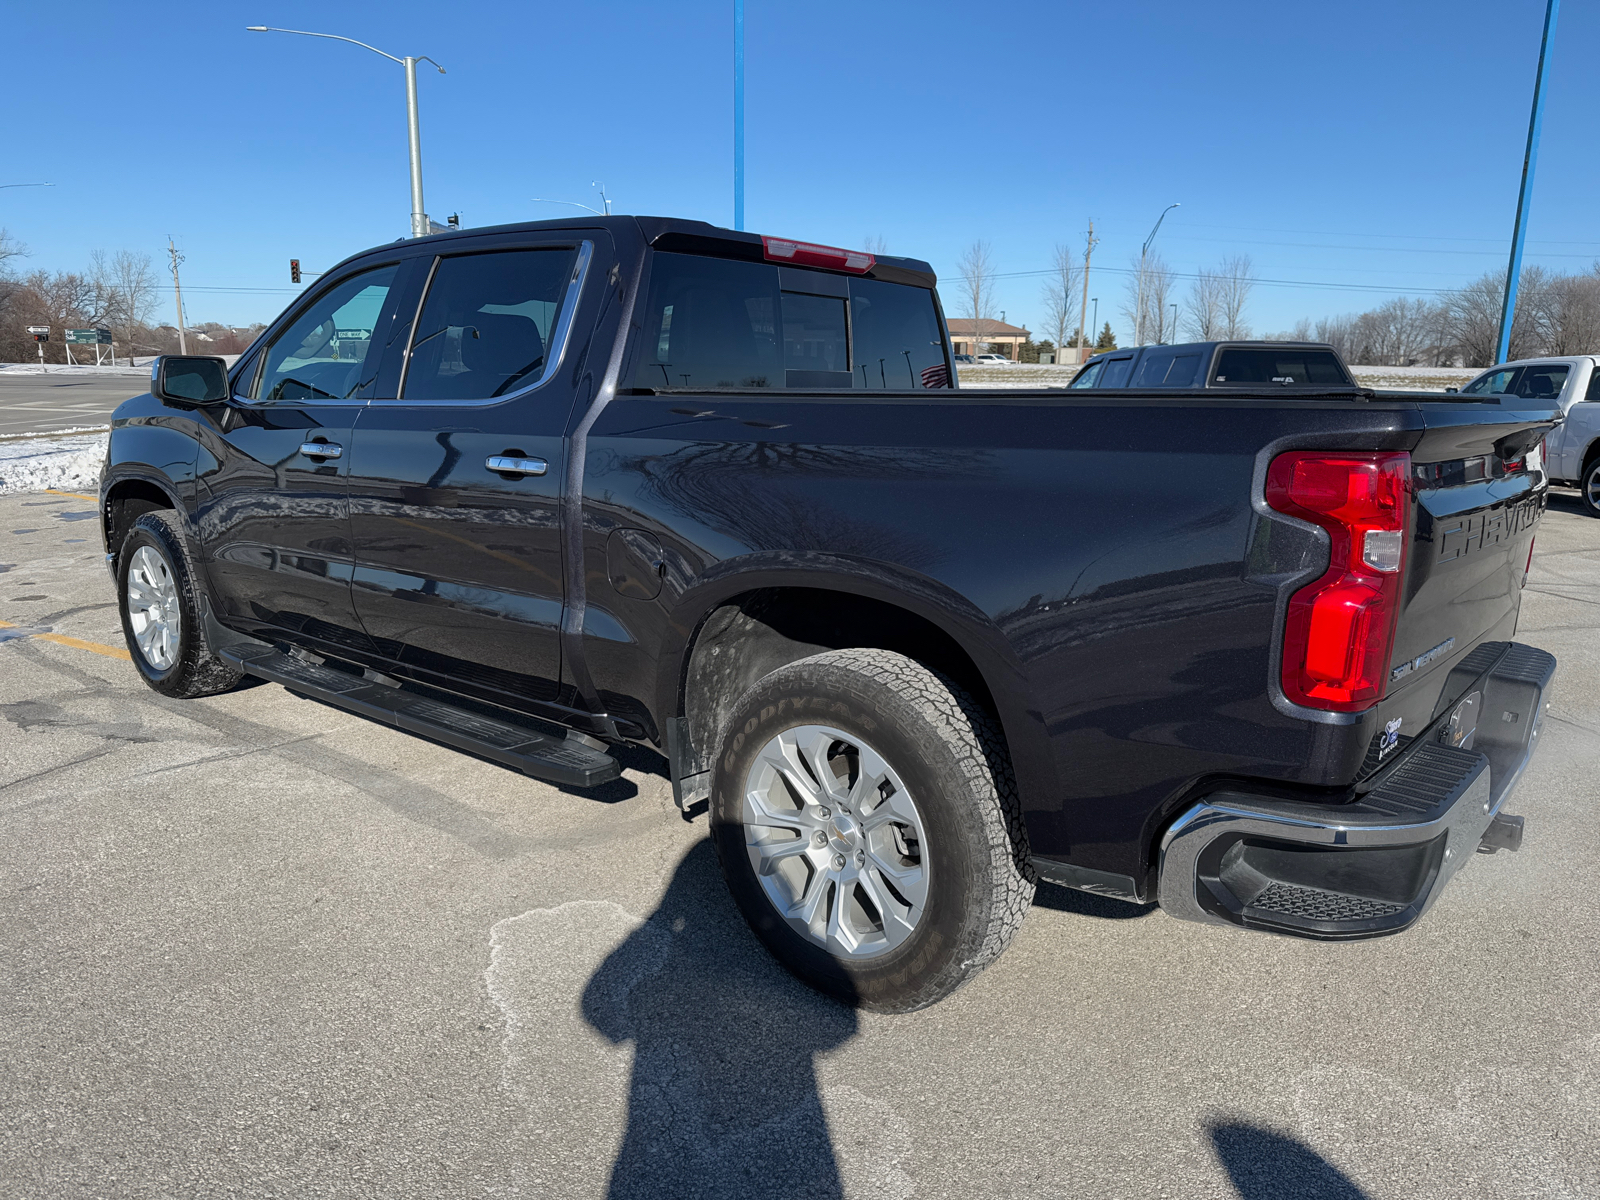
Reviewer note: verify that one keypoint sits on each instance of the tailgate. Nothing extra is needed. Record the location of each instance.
(1475, 509)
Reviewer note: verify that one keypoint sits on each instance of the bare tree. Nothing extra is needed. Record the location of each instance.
(1156, 294)
(134, 281)
(1204, 319)
(1060, 298)
(876, 245)
(1238, 278)
(977, 284)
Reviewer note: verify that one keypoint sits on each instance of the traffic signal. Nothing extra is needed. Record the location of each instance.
(294, 270)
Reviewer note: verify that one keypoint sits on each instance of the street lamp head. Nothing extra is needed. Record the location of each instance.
(256, 29)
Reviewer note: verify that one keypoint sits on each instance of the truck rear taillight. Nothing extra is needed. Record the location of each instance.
(1340, 629)
(857, 262)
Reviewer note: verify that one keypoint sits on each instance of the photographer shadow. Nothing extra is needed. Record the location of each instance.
(723, 1097)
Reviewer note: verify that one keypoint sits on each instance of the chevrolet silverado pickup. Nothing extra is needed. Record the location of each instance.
(1238, 646)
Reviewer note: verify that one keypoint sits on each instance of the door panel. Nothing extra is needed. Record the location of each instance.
(274, 516)
(458, 572)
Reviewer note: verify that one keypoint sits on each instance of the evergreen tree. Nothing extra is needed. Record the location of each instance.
(1107, 340)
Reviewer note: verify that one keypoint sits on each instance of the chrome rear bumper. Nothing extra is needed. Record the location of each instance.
(1372, 867)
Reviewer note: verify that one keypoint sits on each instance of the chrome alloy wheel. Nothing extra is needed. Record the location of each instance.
(154, 614)
(1591, 487)
(836, 841)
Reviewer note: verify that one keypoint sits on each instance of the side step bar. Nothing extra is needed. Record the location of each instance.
(560, 760)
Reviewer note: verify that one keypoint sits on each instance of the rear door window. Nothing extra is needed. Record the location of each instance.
(1116, 372)
(486, 325)
(1542, 381)
(1289, 367)
(1166, 369)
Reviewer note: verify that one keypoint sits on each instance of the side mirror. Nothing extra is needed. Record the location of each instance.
(189, 379)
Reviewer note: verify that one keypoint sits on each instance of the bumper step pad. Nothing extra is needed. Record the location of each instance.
(1373, 866)
(541, 755)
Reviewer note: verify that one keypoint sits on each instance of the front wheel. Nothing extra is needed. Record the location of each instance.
(867, 824)
(159, 598)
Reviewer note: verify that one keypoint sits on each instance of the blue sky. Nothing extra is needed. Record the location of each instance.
(1365, 149)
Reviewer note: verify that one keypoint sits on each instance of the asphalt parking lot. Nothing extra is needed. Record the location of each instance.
(253, 946)
(60, 400)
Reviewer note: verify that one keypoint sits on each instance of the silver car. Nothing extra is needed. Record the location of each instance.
(1572, 451)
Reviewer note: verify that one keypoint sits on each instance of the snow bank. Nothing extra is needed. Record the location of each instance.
(67, 464)
(86, 370)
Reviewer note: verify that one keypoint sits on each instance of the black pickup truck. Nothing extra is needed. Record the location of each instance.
(542, 491)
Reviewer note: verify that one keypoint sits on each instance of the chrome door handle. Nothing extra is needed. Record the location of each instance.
(321, 449)
(505, 464)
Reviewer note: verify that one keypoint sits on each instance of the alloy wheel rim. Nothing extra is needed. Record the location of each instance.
(836, 841)
(1591, 487)
(154, 613)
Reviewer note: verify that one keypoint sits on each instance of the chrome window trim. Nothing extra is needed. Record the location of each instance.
(555, 353)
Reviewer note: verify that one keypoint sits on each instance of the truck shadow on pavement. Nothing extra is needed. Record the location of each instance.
(1086, 904)
(723, 1097)
(1265, 1165)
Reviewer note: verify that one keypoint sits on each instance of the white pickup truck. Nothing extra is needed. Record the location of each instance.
(1572, 450)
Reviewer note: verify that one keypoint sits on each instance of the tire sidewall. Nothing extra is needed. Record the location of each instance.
(937, 787)
(1591, 476)
(155, 535)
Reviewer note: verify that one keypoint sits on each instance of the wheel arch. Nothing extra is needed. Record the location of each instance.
(125, 497)
(758, 614)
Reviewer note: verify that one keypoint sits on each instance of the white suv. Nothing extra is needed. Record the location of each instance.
(994, 360)
(1572, 451)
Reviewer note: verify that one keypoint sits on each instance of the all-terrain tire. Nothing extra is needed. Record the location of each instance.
(194, 668)
(951, 756)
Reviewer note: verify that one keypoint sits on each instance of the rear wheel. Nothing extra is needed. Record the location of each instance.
(1589, 486)
(158, 593)
(867, 824)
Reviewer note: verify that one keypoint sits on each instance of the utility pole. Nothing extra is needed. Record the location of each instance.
(1174, 308)
(1088, 251)
(177, 293)
(1144, 252)
(1530, 158)
(738, 114)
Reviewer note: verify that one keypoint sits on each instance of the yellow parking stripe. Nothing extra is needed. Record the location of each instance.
(62, 639)
(74, 495)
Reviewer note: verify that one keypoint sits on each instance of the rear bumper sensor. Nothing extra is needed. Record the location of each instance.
(1341, 872)
(567, 761)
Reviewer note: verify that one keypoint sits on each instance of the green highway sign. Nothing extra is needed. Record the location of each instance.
(89, 337)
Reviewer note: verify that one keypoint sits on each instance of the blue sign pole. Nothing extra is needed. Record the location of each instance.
(1525, 196)
(738, 113)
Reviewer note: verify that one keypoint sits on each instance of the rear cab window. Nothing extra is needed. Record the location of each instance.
(1291, 367)
(727, 323)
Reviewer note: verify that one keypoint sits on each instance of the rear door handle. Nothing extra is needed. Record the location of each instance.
(321, 449)
(506, 464)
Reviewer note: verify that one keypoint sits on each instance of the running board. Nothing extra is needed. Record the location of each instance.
(560, 760)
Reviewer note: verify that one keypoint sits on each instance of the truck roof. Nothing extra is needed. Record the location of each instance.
(693, 237)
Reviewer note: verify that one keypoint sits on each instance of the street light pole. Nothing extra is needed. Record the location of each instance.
(1174, 309)
(738, 114)
(1530, 158)
(1144, 252)
(419, 215)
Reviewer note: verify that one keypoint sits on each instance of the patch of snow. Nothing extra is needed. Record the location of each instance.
(66, 464)
(141, 368)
